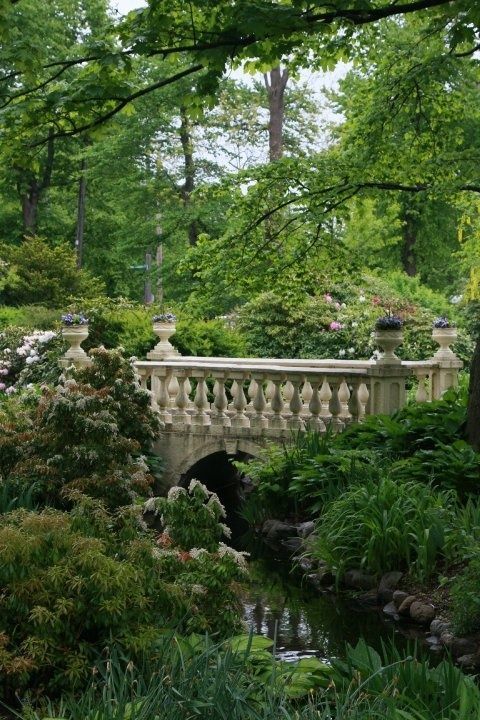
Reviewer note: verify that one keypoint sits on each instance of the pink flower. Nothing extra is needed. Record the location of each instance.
(334, 325)
(337, 305)
(327, 297)
(2, 386)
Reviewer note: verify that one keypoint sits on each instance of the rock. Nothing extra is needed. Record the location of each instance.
(422, 612)
(404, 608)
(398, 597)
(291, 544)
(434, 642)
(438, 626)
(447, 638)
(278, 530)
(322, 578)
(305, 564)
(388, 584)
(463, 646)
(368, 598)
(358, 580)
(390, 609)
(470, 661)
(305, 529)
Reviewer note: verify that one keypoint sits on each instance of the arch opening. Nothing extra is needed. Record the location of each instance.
(220, 476)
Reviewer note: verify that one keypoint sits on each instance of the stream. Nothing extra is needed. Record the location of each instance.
(305, 622)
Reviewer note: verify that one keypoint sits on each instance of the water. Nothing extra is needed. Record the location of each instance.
(307, 623)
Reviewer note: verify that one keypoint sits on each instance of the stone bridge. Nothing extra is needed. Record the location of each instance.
(234, 406)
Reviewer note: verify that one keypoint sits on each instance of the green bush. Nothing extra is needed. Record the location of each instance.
(44, 274)
(33, 317)
(465, 597)
(387, 525)
(89, 433)
(73, 584)
(337, 322)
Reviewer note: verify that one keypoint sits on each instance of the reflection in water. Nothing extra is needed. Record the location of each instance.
(306, 623)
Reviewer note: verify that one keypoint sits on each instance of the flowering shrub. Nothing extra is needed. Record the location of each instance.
(203, 566)
(165, 318)
(389, 322)
(74, 319)
(89, 433)
(28, 357)
(338, 323)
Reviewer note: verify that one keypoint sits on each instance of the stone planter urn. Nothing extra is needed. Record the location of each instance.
(444, 336)
(75, 355)
(388, 341)
(164, 349)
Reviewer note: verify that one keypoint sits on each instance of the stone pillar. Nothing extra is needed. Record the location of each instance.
(445, 374)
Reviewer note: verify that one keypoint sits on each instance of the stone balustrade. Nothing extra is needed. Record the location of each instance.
(273, 397)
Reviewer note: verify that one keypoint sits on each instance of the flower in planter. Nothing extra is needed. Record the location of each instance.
(165, 318)
(389, 322)
(442, 322)
(74, 319)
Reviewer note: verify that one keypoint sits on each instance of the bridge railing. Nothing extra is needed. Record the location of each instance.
(272, 397)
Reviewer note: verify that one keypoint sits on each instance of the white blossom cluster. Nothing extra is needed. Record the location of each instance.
(29, 350)
(239, 557)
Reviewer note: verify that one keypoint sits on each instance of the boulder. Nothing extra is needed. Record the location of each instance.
(305, 529)
(388, 584)
(422, 612)
(292, 544)
(447, 638)
(358, 580)
(438, 626)
(370, 597)
(390, 609)
(463, 646)
(469, 662)
(278, 530)
(398, 597)
(404, 608)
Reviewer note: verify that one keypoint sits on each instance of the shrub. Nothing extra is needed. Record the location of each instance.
(205, 567)
(89, 433)
(45, 274)
(28, 357)
(386, 525)
(33, 317)
(71, 586)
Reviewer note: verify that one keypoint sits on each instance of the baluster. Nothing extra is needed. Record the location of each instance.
(343, 398)
(220, 403)
(422, 393)
(307, 394)
(277, 422)
(201, 416)
(287, 392)
(173, 387)
(335, 406)
(163, 400)
(325, 397)
(315, 408)
(188, 390)
(181, 417)
(269, 393)
(251, 392)
(259, 404)
(363, 396)
(142, 379)
(233, 392)
(295, 421)
(239, 404)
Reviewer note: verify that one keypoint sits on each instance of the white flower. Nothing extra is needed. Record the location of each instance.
(10, 390)
(341, 352)
(175, 492)
(150, 505)
(226, 530)
(351, 350)
(239, 557)
(7, 350)
(354, 324)
(198, 590)
(196, 483)
(29, 360)
(361, 298)
(213, 503)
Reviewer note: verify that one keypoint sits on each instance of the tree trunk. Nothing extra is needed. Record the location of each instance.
(30, 198)
(276, 82)
(189, 165)
(473, 408)
(81, 210)
(410, 228)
